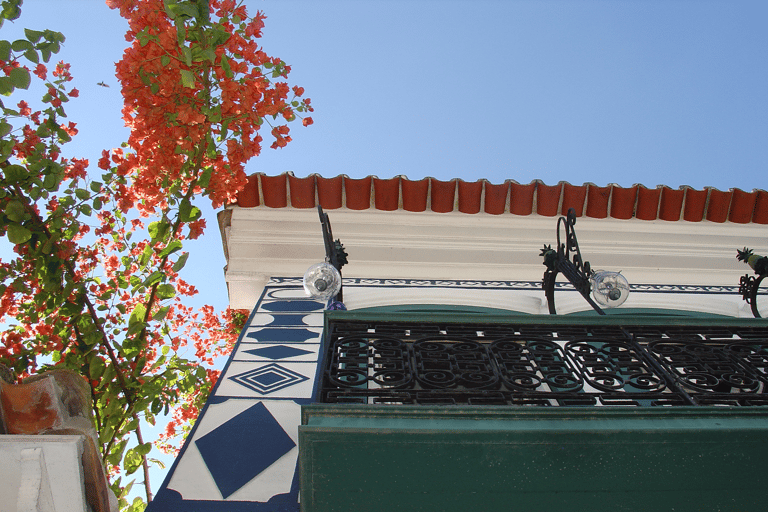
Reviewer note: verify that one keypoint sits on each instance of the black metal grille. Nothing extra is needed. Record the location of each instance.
(537, 365)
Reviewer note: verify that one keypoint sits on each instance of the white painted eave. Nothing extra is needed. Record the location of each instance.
(263, 242)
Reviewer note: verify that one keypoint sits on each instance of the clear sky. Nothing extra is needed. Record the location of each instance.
(655, 92)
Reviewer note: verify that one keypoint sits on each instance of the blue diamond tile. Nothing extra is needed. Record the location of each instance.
(268, 378)
(238, 450)
(278, 352)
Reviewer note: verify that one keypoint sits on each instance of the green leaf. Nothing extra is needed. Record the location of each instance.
(226, 67)
(158, 229)
(187, 79)
(18, 234)
(5, 51)
(137, 317)
(187, 212)
(20, 78)
(144, 449)
(186, 52)
(165, 291)
(153, 278)
(180, 262)
(31, 56)
(171, 248)
(15, 211)
(132, 461)
(82, 194)
(6, 86)
(162, 312)
(165, 60)
(33, 35)
(22, 45)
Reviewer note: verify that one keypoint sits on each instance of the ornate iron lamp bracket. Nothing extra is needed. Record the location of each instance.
(334, 250)
(574, 268)
(749, 285)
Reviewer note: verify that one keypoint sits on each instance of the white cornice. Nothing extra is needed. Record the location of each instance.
(263, 242)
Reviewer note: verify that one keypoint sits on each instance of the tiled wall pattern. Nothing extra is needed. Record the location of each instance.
(242, 454)
(243, 451)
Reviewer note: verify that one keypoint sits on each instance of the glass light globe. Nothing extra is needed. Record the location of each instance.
(322, 281)
(609, 289)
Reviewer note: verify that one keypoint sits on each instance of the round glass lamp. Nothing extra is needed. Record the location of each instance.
(609, 289)
(322, 281)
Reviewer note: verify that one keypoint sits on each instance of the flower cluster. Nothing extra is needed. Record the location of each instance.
(96, 281)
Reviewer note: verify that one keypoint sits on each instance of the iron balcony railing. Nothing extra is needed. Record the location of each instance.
(529, 364)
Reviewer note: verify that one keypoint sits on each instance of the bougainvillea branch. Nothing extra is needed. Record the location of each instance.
(95, 283)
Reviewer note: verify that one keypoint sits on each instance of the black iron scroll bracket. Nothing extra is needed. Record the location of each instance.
(334, 250)
(574, 268)
(748, 287)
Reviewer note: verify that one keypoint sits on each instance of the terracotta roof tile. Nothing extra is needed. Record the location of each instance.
(302, 191)
(695, 204)
(442, 195)
(761, 208)
(623, 202)
(647, 203)
(547, 199)
(671, 204)
(358, 193)
(719, 205)
(386, 193)
(329, 192)
(496, 197)
(521, 198)
(415, 194)
(597, 201)
(589, 199)
(573, 197)
(274, 189)
(470, 196)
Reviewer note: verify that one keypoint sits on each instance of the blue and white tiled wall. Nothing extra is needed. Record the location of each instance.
(243, 452)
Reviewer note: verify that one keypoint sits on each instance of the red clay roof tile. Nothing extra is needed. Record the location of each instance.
(302, 191)
(521, 198)
(573, 197)
(719, 205)
(329, 192)
(442, 195)
(471, 197)
(386, 193)
(597, 201)
(496, 197)
(547, 198)
(671, 204)
(647, 203)
(623, 202)
(470, 194)
(358, 193)
(415, 194)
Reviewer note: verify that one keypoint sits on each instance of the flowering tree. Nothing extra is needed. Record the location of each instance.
(95, 284)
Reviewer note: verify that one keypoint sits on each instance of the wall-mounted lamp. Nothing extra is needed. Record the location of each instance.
(748, 285)
(608, 289)
(323, 280)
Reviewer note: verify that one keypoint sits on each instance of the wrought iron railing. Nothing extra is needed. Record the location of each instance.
(544, 365)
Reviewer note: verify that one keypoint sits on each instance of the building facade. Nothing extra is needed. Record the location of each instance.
(447, 384)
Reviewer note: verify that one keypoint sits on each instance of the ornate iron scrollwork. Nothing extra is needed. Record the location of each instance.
(334, 253)
(550, 366)
(749, 285)
(559, 260)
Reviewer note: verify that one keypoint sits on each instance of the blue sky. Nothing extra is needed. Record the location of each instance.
(652, 92)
